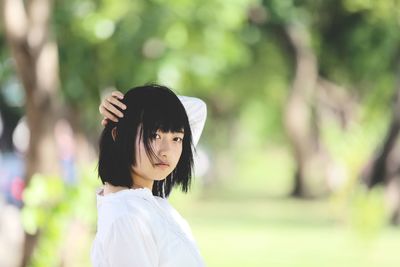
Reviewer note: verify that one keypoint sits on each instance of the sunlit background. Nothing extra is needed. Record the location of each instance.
(299, 161)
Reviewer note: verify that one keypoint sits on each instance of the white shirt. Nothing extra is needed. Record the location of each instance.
(137, 229)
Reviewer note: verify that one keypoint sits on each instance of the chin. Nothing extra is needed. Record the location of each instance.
(160, 179)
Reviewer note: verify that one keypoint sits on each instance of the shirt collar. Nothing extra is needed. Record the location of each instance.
(140, 192)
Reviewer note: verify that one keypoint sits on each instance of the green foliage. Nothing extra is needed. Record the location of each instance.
(190, 46)
(213, 49)
(41, 198)
(368, 215)
(50, 207)
(377, 10)
(362, 210)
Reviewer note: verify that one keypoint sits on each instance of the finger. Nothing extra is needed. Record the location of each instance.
(108, 114)
(106, 106)
(116, 102)
(111, 108)
(118, 94)
(104, 121)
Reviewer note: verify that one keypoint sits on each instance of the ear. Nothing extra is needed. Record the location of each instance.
(114, 133)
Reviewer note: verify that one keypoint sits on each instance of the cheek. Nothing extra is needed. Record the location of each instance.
(178, 153)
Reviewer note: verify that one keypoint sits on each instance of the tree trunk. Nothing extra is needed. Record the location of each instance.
(376, 172)
(36, 61)
(314, 165)
(298, 114)
(384, 167)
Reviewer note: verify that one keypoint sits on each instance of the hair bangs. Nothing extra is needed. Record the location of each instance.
(167, 116)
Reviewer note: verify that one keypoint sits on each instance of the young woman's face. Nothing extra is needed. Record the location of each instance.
(167, 146)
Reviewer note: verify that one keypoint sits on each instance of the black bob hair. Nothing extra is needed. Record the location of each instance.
(149, 108)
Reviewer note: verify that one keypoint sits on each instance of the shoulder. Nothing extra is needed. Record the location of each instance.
(126, 207)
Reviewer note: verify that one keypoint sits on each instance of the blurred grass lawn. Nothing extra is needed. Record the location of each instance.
(281, 232)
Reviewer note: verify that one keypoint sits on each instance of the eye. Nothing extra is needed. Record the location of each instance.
(155, 136)
(178, 139)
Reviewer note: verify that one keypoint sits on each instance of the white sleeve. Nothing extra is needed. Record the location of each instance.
(130, 244)
(196, 110)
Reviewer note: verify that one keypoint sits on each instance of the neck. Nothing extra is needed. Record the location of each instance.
(140, 182)
(137, 186)
(109, 188)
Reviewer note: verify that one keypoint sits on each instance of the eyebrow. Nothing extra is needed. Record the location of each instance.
(177, 131)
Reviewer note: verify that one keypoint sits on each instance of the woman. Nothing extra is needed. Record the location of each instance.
(143, 155)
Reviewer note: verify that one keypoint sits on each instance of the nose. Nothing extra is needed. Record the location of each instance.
(164, 148)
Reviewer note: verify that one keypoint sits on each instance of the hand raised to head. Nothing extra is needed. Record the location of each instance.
(108, 107)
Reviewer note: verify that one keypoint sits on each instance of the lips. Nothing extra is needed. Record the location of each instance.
(162, 165)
